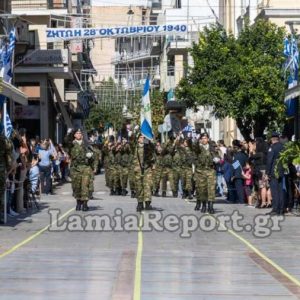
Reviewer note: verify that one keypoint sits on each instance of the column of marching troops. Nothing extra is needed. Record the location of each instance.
(144, 166)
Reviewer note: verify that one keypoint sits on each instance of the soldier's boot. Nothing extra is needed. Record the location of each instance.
(190, 196)
(164, 194)
(148, 206)
(112, 192)
(175, 194)
(156, 193)
(211, 207)
(140, 207)
(78, 205)
(85, 206)
(132, 194)
(184, 193)
(203, 209)
(198, 204)
(119, 191)
(124, 192)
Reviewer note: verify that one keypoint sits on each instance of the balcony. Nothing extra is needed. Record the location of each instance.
(177, 46)
(56, 63)
(125, 57)
(36, 7)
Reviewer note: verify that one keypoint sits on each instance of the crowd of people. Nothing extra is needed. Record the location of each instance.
(187, 167)
(30, 166)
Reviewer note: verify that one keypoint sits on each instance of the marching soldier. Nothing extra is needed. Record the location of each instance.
(177, 165)
(205, 174)
(158, 169)
(187, 168)
(80, 170)
(143, 163)
(125, 165)
(167, 162)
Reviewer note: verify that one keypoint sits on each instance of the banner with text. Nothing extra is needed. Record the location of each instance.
(58, 34)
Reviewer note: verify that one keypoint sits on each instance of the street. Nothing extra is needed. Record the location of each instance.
(37, 263)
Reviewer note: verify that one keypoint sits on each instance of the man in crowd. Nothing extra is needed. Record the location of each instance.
(275, 175)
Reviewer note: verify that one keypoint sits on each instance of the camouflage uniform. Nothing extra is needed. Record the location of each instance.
(105, 153)
(167, 161)
(117, 173)
(143, 162)
(131, 174)
(205, 174)
(177, 168)
(5, 163)
(80, 171)
(157, 173)
(125, 165)
(187, 171)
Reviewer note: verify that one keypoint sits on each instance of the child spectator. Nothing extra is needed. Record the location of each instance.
(248, 182)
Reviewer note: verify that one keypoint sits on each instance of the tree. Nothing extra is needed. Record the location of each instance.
(157, 109)
(240, 77)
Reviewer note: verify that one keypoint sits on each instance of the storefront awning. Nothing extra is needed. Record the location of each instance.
(13, 93)
(292, 93)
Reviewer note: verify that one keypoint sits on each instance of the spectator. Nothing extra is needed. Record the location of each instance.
(34, 174)
(46, 155)
(228, 174)
(248, 183)
(239, 161)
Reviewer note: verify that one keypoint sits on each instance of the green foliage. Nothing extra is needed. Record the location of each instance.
(157, 108)
(101, 117)
(239, 77)
(290, 154)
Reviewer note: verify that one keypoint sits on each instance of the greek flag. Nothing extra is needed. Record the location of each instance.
(236, 165)
(146, 123)
(291, 53)
(6, 57)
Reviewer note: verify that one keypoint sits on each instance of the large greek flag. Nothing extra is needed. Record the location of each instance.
(291, 53)
(6, 58)
(146, 123)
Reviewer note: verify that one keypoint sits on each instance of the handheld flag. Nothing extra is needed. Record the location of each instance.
(146, 123)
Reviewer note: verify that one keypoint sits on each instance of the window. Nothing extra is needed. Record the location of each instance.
(31, 34)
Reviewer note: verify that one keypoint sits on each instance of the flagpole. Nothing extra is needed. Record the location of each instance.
(5, 132)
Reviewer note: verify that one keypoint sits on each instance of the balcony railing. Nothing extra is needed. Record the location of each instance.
(131, 56)
(39, 4)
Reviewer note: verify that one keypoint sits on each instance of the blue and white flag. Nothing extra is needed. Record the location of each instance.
(6, 59)
(146, 123)
(236, 165)
(8, 125)
(292, 67)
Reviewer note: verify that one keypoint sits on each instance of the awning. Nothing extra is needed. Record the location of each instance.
(292, 93)
(13, 93)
